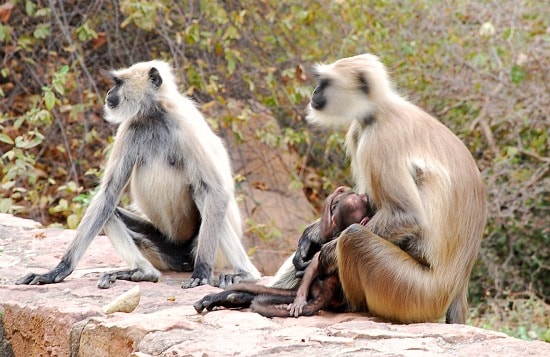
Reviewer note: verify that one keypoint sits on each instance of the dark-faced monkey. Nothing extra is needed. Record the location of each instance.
(412, 261)
(317, 290)
(182, 188)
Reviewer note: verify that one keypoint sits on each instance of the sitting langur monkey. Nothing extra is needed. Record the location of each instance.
(412, 261)
(317, 290)
(181, 184)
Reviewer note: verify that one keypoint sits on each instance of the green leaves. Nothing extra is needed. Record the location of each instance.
(42, 31)
(517, 74)
(86, 32)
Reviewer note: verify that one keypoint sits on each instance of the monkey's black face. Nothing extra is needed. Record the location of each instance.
(318, 98)
(342, 95)
(113, 99)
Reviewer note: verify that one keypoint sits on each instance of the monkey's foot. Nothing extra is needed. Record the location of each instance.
(37, 279)
(201, 276)
(227, 299)
(194, 282)
(132, 275)
(226, 280)
(60, 272)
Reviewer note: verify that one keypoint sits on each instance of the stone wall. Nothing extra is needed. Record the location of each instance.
(67, 319)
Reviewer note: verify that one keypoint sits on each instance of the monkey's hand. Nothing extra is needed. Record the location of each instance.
(193, 282)
(137, 274)
(56, 275)
(202, 273)
(295, 309)
(228, 299)
(308, 245)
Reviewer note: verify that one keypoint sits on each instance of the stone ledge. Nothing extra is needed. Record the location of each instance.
(67, 318)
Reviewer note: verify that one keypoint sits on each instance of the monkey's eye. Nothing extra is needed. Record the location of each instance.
(323, 83)
(118, 81)
(363, 84)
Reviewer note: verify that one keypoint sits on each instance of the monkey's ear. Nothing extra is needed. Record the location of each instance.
(363, 84)
(155, 78)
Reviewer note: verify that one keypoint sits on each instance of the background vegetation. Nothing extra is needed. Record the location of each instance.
(482, 67)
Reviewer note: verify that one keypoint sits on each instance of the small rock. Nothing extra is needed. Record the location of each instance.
(126, 302)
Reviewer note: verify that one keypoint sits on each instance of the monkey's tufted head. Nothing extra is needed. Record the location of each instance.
(349, 89)
(138, 88)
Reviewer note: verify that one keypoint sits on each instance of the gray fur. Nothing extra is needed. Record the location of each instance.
(180, 176)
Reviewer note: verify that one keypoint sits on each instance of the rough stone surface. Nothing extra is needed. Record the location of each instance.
(67, 318)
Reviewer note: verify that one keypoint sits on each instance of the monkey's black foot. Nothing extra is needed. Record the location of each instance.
(227, 299)
(194, 282)
(35, 279)
(56, 275)
(201, 276)
(226, 280)
(132, 275)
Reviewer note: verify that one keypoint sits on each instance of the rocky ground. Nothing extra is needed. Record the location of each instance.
(67, 318)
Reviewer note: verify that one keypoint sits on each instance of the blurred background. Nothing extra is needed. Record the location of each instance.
(481, 67)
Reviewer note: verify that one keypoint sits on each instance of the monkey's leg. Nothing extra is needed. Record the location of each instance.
(234, 252)
(56, 275)
(141, 268)
(228, 299)
(258, 289)
(296, 307)
(99, 211)
(159, 249)
(377, 274)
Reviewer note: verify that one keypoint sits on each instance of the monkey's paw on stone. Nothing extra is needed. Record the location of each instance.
(228, 299)
(131, 275)
(194, 282)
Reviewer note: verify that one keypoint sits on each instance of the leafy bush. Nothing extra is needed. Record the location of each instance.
(481, 67)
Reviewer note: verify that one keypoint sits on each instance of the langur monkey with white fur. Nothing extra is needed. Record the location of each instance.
(180, 178)
(412, 261)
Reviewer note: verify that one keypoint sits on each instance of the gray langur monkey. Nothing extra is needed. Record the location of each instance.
(412, 261)
(180, 178)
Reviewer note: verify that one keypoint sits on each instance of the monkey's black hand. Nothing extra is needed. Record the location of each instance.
(137, 274)
(308, 245)
(201, 276)
(56, 275)
(228, 299)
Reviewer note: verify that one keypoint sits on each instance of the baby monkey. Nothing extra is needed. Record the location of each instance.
(318, 288)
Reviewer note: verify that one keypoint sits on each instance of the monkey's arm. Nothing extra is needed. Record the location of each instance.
(310, 242)
(228, 299)
(241, 295)
(399, 211)
(295, 309)
(212, 201)
(211, 196)
(100, 210)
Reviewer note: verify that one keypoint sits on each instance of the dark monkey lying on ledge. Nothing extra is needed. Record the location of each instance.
(318, 290)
